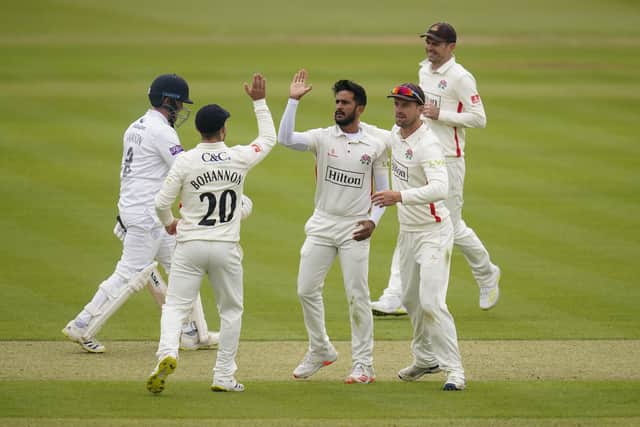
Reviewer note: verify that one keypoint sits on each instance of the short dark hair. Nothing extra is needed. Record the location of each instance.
(210, 119)
(358, 91)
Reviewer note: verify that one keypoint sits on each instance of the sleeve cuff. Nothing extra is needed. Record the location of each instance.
(260, 103)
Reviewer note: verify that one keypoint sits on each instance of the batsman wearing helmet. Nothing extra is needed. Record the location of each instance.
(150, 146)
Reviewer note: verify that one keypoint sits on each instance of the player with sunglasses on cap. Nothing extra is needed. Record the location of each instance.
(452, 103)
(425, 240)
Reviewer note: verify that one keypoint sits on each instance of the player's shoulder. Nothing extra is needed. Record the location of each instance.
(379, 137)
(459, 71)
(374, 130)
(429, 145)
(321, 136)
(329, 130)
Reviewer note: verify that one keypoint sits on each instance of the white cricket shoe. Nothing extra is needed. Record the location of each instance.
(164, 368)
(388, 306)
(313, 361)
(227, 385)
(489, 294)
(361, 374)
(75, 334)
(454, 382)
(414, 372)
(191, 341)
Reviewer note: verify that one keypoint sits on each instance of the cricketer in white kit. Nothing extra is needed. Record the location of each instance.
(350, 157)
(425, 239)
(452, 105)
(209, 180)
(150, 146)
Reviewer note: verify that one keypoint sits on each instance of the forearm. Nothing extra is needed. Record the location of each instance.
(266, 128)
(167, 195)
(381, 179)
(163, 209)
(436, 189)
(471, 119)
(286, 134)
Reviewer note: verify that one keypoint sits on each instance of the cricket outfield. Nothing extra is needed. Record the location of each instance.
(551, 189)
(525, 382)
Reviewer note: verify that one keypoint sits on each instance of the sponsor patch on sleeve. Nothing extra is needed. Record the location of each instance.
(475, 98)
(176, 149)
(256, 148)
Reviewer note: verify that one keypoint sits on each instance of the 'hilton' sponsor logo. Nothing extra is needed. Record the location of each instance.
(400, 171)
(344, 178)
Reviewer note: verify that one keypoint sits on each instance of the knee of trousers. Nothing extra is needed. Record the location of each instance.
(432, 309)
(308, 296)
(308, 290)
(461, 230)
(113, 286)
(177, 303)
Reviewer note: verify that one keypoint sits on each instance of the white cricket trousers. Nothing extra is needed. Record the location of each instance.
(329, 236)
(145, 241)
(222, 262)
(425, 259)
(477, 256)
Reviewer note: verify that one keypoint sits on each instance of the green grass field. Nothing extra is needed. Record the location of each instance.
(552, 189)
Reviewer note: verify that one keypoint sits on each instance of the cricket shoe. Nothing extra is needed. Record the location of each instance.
(191, 341)
(158, 378)
(75, 333)
(313, 361)
(361, 374)
(454, 383)
(227, 385)
(414, 372)
(489, 294)
(388, 306)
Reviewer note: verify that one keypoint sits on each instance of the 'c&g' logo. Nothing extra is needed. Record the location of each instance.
(215, 157)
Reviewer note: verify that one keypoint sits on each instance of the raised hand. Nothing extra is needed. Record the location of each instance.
(298, 87)
(258, 88)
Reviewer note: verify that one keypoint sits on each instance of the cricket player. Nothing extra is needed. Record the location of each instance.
(209, 180)
(452, 104)
(150, 145)
(425, 239)
(350, 156)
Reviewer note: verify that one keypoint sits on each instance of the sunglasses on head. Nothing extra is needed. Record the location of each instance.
(407, 91)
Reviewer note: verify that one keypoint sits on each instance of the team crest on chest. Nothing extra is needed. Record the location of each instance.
(443, 84)
(408, 154)
(332, 153)
(365, 159)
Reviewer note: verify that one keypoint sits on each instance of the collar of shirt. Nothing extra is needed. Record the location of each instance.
(443, 68)
(351, 138)
(211, 145)
(412, 139)
(155, 113)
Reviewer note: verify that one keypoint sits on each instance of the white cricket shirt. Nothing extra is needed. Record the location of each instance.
(344, 169)
(209, 179)
(345, 164)
(452, 88)
(150, 146)
(419, 173)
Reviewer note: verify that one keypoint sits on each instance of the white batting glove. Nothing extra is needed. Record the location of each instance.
(119, 230)
(246, 207)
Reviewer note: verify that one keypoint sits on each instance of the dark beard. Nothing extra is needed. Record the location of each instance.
(346, 120)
